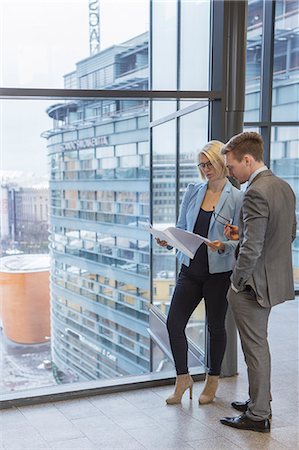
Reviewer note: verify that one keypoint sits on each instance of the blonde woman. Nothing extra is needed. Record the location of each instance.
(206, 208)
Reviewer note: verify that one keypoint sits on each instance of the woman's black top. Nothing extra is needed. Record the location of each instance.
(199, 265)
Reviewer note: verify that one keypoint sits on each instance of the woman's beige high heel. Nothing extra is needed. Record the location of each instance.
(183, 382)
(209, 390)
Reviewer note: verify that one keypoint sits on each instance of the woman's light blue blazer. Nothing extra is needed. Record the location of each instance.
(228, 206)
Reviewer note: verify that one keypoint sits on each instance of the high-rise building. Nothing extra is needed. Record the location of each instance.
(284, 152)
(28, 208)
(99, 157)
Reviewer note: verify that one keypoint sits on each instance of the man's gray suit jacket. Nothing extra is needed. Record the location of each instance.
(267, 229)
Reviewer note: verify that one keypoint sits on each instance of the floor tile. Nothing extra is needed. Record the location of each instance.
(76, 409)
(74, 444)
(140, 419)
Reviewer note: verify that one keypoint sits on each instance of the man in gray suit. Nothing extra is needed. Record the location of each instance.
(263, 275)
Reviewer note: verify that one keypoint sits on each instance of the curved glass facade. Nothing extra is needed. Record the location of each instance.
(99, 157)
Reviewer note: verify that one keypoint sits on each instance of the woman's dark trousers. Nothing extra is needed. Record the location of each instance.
(188, 293)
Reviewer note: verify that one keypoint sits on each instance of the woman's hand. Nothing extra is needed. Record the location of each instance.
(216, 246)
(161, 243)
(231, 232)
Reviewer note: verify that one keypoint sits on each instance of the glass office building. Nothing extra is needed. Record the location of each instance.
(272, 99)
(99, 159)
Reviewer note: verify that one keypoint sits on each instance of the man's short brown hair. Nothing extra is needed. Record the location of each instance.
(246, 143)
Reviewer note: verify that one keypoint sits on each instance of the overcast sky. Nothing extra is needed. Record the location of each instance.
(41, 40)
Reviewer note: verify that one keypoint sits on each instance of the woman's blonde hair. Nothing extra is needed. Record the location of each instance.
(212, 150)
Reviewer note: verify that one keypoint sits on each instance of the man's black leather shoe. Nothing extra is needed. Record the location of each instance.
(243, 406)
(244, 423)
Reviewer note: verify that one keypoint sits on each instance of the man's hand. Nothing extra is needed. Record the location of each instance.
(161, 243)
(216, 246)
(231, 232)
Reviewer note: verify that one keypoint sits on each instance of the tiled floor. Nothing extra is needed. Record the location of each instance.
(141, 419)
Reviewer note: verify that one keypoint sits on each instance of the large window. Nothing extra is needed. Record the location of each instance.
(83, 172)
(195, 27)
(275, 111)
(253, 60)
(92, 195)
(164, 45)
(43, 40)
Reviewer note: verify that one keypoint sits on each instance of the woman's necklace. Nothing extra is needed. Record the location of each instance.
(211, 198)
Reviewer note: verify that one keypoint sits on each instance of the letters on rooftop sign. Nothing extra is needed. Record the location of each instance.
(99, 141)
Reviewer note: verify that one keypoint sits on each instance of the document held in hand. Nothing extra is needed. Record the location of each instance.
(185, 241)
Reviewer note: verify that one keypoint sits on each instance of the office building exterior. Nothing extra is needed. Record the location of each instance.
(98, 151)
(284, 108)
(24, 213)
(99, 158)
(28, 211)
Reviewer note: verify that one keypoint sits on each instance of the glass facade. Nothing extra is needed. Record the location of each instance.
(116, 163)
(278, 118)
(194, 27)
(178, 130)
(99, 158)
(100, 201)
(44, 40)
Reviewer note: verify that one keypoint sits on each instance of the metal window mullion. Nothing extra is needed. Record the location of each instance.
(178, 42)
(150, 46)
(267, 74)
(177, 122)
(273, 124)
(151, 284)
(217, 70)
(91, 94)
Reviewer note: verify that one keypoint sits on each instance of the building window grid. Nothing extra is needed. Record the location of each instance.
(96, 339)
(125, 254)
(103, 329)
(99, 291)
(272, 97)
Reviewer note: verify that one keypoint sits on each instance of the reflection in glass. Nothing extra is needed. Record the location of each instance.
(253, 60)
(285, 164)
(193, 137)
(164, 210)
(164, 43)
(162, 108)
(286, 62)
(106, 250)
(194, 45)
(161, 362)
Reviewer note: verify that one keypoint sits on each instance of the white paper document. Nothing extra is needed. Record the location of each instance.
(185, 241)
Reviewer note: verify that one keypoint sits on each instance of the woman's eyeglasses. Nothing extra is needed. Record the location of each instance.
(221, 219)
(206, 165)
